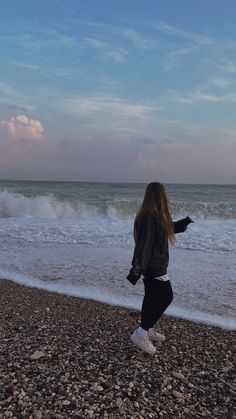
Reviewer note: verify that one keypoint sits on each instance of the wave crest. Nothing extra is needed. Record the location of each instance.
(14, 205)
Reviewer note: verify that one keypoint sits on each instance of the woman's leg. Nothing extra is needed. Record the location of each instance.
(158, 296)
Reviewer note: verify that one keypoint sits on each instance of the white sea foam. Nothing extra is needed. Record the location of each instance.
(103, 295)
(206, 235)
(52, 206)
(43, 207)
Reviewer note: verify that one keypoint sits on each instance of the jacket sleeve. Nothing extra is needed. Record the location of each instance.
(181, 225)
(144, 245)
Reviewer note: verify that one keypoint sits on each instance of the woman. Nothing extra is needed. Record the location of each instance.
(153, 228)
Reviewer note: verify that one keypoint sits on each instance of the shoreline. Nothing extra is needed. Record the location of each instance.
(63, 356)
(196, 316)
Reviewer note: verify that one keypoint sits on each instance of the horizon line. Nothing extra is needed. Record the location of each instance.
(118, 182)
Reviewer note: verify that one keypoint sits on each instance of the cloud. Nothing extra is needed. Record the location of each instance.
(227, 66)
(197, 164)
(200, 95)
(95, 43)
(176, 32)
(118, 56)
(49, 39)
(12, 96)
(22, 127)
(221, 82)
(222, 64)
(62, 72)
(7, 90)
(27, 66)
(109, 105)
(173, 58)
(137, 40)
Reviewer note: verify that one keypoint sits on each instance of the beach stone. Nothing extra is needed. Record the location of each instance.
(186, 410)
(37, 355)
(66, 402)
(177, 394)
(119, 402)
(38, 414)
(89, 413)
(8, 414)
(178, 375)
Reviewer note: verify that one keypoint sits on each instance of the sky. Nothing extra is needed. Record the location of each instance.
(118, 91)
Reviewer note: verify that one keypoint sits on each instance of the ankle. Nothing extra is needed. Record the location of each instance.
(142, 332)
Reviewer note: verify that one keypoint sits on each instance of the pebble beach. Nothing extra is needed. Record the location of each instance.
(65, 357)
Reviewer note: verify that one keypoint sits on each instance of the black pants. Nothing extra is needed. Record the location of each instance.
(158, 296)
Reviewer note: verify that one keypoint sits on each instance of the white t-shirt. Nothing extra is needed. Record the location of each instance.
(163, 278)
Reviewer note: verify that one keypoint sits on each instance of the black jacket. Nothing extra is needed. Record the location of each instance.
(151, 252)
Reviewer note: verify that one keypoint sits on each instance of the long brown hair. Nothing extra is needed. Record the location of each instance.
(155, 200)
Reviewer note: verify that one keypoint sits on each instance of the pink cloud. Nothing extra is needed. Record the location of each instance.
(22, 127)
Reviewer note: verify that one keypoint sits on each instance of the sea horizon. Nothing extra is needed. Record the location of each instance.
(118, 182)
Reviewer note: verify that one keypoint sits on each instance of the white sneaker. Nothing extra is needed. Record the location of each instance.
(154, 335)
(143, 342)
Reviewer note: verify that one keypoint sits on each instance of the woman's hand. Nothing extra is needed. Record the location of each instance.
(134, 275)
(181, 225)
(188, 220)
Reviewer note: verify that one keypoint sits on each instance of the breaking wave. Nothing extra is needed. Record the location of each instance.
(15, 205)
(49, 207)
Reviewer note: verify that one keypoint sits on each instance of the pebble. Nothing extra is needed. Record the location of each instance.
(8, 414)
(119, 402)
(177, 394)
(38, 414)
(180, 376)
(63, 379)
(89, 413)
(37, 355)
(66, 402)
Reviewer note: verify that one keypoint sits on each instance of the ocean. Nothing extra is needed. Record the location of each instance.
(76, 238)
